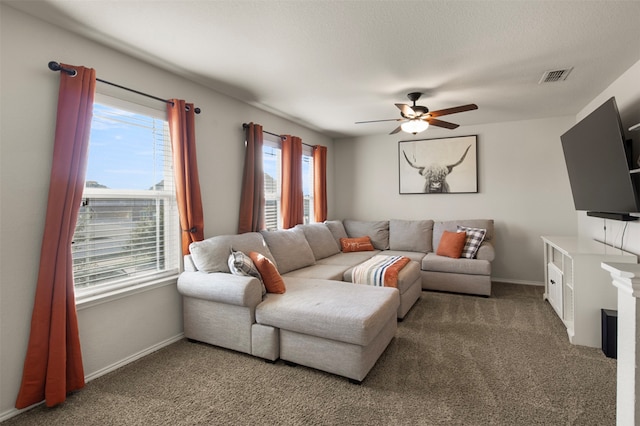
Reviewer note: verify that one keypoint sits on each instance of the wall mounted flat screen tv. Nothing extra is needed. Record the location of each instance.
(598, 162)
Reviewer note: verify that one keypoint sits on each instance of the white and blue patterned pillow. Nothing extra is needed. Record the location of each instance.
(475, 236)
(241, 264)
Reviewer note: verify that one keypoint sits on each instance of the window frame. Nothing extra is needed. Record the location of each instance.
(103, 292)
(275, 142)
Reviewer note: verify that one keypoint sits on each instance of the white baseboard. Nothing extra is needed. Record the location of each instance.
(6, 415)
(512, 281)
(133, 357)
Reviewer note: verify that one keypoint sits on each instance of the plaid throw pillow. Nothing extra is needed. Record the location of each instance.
(475, 236)
(241, 264)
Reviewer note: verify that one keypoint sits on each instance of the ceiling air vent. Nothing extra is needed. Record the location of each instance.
(555, 75)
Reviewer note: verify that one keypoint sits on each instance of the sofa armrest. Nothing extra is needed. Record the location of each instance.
(486, 251)
(221, 287)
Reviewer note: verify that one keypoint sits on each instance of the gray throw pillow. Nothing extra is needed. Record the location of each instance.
(241, 264)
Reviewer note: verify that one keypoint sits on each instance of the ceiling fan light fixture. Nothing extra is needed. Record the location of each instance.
(414, 126)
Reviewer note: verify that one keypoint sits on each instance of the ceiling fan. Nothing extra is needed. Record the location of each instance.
(417, 118)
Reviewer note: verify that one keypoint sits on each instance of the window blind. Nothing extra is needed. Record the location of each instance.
(271, 157)
(127, 228)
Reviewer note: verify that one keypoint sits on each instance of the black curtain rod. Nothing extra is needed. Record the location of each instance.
(245, 125)
(54, 66)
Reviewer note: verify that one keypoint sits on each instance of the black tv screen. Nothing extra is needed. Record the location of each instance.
(597, 159)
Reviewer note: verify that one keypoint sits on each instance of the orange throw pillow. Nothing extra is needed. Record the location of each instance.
(451, 244)
(270, 275)
(356, 244)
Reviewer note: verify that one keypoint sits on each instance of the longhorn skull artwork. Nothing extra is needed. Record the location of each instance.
(435, 175)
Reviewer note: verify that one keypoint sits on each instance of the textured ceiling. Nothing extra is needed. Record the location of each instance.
(327, 64)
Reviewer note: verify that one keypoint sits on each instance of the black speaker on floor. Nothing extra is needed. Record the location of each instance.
(610, 333)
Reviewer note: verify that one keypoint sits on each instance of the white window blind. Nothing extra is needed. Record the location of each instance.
(272, 166)
(127, 230)
(307, 183)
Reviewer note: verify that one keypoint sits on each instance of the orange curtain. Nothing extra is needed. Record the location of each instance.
(251, 218)
(181, 118)
(53, 363)
(292, 199)
(320, 183)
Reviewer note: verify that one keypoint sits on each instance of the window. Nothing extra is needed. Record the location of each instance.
(272, 166)
(127, 231)
(307, 183)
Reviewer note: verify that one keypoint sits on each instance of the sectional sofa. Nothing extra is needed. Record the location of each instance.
(322, 320)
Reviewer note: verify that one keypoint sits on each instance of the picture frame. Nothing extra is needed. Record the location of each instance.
(438, 166)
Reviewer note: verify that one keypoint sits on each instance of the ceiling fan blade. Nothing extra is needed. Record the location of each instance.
(396, 130)
(440, 123)
(446, 111)
(378, 121)
(406, 110)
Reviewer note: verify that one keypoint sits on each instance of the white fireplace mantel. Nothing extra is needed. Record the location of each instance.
(626, 278)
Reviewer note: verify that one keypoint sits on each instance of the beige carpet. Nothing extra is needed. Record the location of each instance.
(455, 360)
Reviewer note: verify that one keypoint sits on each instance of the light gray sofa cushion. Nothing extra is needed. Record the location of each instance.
(486, 250)
(290, 249)
(452, 226)
(320, 271)
(411, 235)
(188, 264)
(434, 263)
(212, 254)
(337, 230)
(378, 231)
(320, 239)
(344, 312)
(348, 259)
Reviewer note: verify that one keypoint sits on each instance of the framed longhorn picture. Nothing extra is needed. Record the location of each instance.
(439, 166)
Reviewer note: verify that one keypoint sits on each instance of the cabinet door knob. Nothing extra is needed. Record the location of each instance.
(552, 282)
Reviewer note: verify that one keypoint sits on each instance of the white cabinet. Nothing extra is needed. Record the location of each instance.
(554, 288)
(577, 287)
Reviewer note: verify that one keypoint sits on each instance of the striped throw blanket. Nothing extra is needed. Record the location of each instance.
(380, 270)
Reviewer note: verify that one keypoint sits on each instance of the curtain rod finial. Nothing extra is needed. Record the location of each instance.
(54, 66)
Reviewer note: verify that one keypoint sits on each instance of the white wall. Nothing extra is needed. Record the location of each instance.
(522, 179)
(626, 90)
(113, 332)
